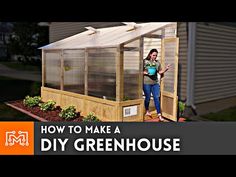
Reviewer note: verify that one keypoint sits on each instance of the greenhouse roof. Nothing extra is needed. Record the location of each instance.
(107, 37)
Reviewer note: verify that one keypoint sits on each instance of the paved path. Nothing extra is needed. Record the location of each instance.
(17, 74)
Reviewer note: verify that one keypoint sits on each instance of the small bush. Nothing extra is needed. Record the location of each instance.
(68, 113)
(91, 118)
(48, 106)
(32, 101)
(181, 108)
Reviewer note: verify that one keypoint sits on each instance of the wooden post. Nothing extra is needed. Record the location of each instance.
(86, 72)
(62, 70)
(43, 69)
(120, 73)
(140, 79)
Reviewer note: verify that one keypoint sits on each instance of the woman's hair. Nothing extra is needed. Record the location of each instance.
(150, 53)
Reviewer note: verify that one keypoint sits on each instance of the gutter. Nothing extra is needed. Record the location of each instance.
(191, 64)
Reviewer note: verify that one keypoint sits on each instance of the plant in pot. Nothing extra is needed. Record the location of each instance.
(151, 68)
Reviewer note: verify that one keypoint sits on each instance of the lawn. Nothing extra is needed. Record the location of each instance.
(225, 115)
(14, 89)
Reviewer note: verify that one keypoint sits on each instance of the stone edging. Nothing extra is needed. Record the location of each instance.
(26, 112)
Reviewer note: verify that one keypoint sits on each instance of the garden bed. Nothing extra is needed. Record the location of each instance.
(44, 116)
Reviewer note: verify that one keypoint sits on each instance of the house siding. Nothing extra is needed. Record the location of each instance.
(215, 62)
(183, 53)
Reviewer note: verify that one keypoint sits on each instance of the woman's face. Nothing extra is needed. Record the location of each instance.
(153, 56)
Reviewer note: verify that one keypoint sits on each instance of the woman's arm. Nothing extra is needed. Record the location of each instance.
(164, 70)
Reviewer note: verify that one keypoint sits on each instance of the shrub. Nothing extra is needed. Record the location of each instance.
(32, 101)
(68, 113)
(91, 118)
(181, 108)
(48, 106)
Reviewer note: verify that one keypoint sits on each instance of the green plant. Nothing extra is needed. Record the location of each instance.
(91, 118)
(182, 106)
(47, 106)
(31, 101)
(126, 98)
(150, 65)
(68, 113)
(67, 68)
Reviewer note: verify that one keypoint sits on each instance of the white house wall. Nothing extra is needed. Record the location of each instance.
(215, 62)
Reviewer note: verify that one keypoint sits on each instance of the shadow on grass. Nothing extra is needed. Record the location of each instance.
(225, 115)
(14, 89)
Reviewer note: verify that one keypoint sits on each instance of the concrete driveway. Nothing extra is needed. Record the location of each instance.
(17, 74)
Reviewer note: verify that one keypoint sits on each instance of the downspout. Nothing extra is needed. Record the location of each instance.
(191, 65)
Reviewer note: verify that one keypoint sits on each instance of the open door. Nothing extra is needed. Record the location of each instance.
(169, 99)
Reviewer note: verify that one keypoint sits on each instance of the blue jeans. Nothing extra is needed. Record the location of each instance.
(155, 90)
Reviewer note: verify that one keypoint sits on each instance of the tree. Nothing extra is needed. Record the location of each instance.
(25, 40)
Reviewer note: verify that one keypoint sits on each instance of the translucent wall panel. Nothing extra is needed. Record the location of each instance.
(152, 43)
(170, 51)
(131, 70)
(74, 71)
(102, 73)
(52, 70)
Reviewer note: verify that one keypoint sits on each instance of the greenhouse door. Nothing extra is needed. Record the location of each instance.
(169, 99)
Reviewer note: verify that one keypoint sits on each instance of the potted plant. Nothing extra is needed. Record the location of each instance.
(151, 68)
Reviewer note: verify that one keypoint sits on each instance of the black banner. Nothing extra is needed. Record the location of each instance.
(211, 138)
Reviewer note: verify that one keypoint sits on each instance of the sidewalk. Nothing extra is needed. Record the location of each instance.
(17, 74)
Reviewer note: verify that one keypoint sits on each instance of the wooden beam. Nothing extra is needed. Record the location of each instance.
(140, 79)
(86, 73)
(131, 49)
(43, 68)
(62, 70)
(153, 36)
(120, 74)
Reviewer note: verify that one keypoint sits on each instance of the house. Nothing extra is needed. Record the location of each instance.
(5, 31)
(207, 61)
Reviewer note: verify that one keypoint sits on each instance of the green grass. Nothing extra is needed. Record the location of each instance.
(225, 115)
(21, 67)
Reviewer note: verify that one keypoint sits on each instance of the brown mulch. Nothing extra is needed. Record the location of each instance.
(51, 116)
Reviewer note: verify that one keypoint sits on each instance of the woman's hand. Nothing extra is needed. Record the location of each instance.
(145, 72)
(168, 67)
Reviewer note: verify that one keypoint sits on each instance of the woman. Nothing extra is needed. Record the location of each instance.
(151, 70)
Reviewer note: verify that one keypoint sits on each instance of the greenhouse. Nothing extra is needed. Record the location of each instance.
(101, 70)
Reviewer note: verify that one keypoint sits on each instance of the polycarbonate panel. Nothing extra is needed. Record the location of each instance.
(152, 43)
(102, 73)
(74, 71)
(105, 37)
(170, 52)
(52, 70)
(131, 71)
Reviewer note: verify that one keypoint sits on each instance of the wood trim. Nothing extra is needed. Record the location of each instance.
(62, 70)
(26, 112)
(120, 74)
(106, 110)
(86, 72)
(90, 98)
(140, 79)
(43, 68)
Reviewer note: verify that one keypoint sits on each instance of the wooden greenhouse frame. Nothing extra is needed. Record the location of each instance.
(118, 110)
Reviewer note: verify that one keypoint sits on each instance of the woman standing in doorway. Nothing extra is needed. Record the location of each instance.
(152, 70)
